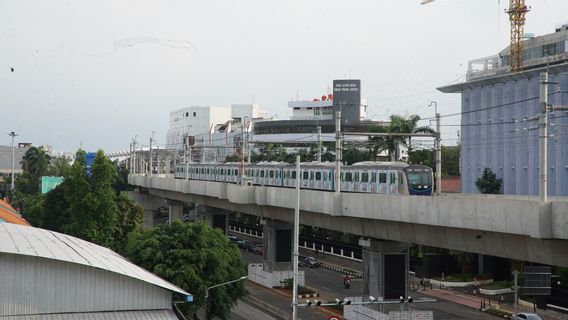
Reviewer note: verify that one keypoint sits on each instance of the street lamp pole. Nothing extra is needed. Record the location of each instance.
(215, 286)
(13, 135)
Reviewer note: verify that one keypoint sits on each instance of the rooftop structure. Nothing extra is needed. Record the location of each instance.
(499, 123)
(45, 272)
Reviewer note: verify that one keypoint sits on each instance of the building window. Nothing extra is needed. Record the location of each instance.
(195, 114)
(187, 114)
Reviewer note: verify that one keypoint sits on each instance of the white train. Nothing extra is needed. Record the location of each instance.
(365, 177)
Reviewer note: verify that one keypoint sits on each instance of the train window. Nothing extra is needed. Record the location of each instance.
(348, 176)
(271, 174)
(356, 176)
(311, 175)
(306, 174)
(364, 177)
(277, 174)
(343, 176)
(293, 174)
(393, 178)
(373, 177)
(330, 179)
(318, 176)
(400, 177)
(382, 177)
(262, 173)
(324, 176)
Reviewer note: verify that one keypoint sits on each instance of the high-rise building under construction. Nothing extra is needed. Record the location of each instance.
(499, 117)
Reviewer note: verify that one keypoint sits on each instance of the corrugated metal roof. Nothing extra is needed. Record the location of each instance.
(125, 315)
(30, 241)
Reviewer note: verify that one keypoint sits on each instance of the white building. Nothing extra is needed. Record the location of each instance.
(192, 121)
(317, 109)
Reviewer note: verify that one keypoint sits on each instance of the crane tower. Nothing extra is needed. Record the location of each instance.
(517, 11)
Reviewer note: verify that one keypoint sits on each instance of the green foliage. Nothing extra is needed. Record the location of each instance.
(488, 182)
(32, 209)
(129, 219)
(96, 211)
(288, 283)
(451, 160)
(59, 167)
(192, 256)
(464, 260)
(56, 210)
(36, 161)
(353, 155)
(398, 124)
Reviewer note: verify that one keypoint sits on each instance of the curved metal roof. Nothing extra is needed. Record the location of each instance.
(35, 242)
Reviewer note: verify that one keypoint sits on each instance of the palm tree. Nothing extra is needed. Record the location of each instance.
(36, 161)
(399, 124)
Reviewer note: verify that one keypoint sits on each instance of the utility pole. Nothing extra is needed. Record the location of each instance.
(134, 141)
(242, 169)
(516, 274)
(130, 158)
(151, 137)
(13, 135)
(438, 156)
(319, 143)
(438, 150)
(542, 157)
(338, 153)
(295, 254)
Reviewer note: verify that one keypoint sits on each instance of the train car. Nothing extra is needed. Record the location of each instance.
(365, 177)
(374, 177)
(419, 179)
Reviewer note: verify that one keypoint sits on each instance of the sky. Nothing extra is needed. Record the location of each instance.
(98, 73)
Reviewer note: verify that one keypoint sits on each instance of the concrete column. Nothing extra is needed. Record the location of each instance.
(277, 244)
(217, 218)
(385, 268)
(149, 203)
(175, 211)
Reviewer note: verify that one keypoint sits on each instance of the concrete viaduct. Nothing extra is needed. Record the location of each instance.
(519, 228)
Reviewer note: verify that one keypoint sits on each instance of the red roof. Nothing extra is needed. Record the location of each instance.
(8, 214)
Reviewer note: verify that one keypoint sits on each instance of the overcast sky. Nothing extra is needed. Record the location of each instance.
(101, 72)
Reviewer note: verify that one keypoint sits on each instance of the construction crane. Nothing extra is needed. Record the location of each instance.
(517, 11)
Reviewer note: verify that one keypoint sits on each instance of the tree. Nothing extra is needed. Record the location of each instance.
(488, 182)
(192, 256)
(130, 217)
(59, 167)
(91, 200)
(56, 210)
(36, 161)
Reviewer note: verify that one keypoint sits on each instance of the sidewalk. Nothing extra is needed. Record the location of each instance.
(475, 303)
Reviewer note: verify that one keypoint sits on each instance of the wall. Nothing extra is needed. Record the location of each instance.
(499, 131)
(35, 286)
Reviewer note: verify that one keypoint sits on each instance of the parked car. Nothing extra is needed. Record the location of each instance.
(308, 262)
(249, 246)
(257, 249)
(242, 243)
(233, 239)
(526, 316)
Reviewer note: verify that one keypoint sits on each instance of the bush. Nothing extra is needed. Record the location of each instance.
(498, 312)
(288, 284)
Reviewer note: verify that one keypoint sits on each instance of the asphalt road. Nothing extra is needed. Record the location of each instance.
(330, 286)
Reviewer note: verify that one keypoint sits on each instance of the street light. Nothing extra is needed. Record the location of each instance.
(13, 135)
(215, 286)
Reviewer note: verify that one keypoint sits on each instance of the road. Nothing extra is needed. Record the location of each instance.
(330, 286)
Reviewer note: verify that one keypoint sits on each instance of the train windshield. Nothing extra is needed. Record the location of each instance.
(419, 179)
